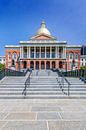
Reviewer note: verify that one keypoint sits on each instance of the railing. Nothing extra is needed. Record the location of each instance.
(9, 72)
(75, 73)
(62, 80)
(2, 74)
(27, 83)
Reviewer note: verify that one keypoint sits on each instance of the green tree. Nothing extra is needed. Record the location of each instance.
(2, 66)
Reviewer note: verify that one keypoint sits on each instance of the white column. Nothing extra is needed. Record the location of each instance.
(34, 52)
(45, 52)
(20, 52)
(56, 52)
(65, 52)
(50, 52)
(39, 52)
(29, 51)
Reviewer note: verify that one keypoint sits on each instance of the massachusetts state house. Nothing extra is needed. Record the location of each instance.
(43, 51)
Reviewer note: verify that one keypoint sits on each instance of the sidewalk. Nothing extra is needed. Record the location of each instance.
(25, 114)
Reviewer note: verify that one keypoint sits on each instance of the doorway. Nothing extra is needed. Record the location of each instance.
(42, 65)
(31, 65)
(47, 65)
(25, 64)
(37, 65)
(60, 64)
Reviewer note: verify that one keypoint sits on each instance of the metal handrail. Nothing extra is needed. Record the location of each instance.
(61, 83)
(27, 83)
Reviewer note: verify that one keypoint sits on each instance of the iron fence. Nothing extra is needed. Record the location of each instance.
(75, 73)
(9, 72)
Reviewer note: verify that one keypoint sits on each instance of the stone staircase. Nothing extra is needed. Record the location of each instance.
(43, 85)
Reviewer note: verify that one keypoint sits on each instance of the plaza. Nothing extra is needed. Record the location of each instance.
(36, 114)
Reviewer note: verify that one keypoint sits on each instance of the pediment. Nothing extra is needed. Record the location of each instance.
(42, 37)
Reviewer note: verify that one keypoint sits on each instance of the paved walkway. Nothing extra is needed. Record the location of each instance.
(25, 114)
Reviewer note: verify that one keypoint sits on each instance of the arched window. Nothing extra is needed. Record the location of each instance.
(71, 56)
(14, 56)
(76, 56)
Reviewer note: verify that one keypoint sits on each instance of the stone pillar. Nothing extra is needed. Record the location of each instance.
(56, 64)
(28, 64)
(16, 66)
(50, 64)
(39, 64)
(45, 63)
(34, 64)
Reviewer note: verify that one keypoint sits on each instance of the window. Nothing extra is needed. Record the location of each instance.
(14, 56)
(76, 56)
(53, 52)
(71, 56)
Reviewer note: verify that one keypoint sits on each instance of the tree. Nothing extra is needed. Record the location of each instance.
(2, 66)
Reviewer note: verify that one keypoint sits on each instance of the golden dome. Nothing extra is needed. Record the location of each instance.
(43, 30)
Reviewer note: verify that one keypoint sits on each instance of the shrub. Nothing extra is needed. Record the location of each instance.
(83, 67)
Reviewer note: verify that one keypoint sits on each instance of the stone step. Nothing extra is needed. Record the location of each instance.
(42, 97)
(42, 92)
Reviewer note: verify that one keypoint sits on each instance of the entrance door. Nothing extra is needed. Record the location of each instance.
(53, 65)
(37, 65)
(25, 64)
(60, 64)
(32, 65)
(42, 65)
(47, 65)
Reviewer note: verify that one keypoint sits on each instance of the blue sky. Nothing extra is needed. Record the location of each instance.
(20, 19)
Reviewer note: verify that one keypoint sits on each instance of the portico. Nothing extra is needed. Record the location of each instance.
(42, 52)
